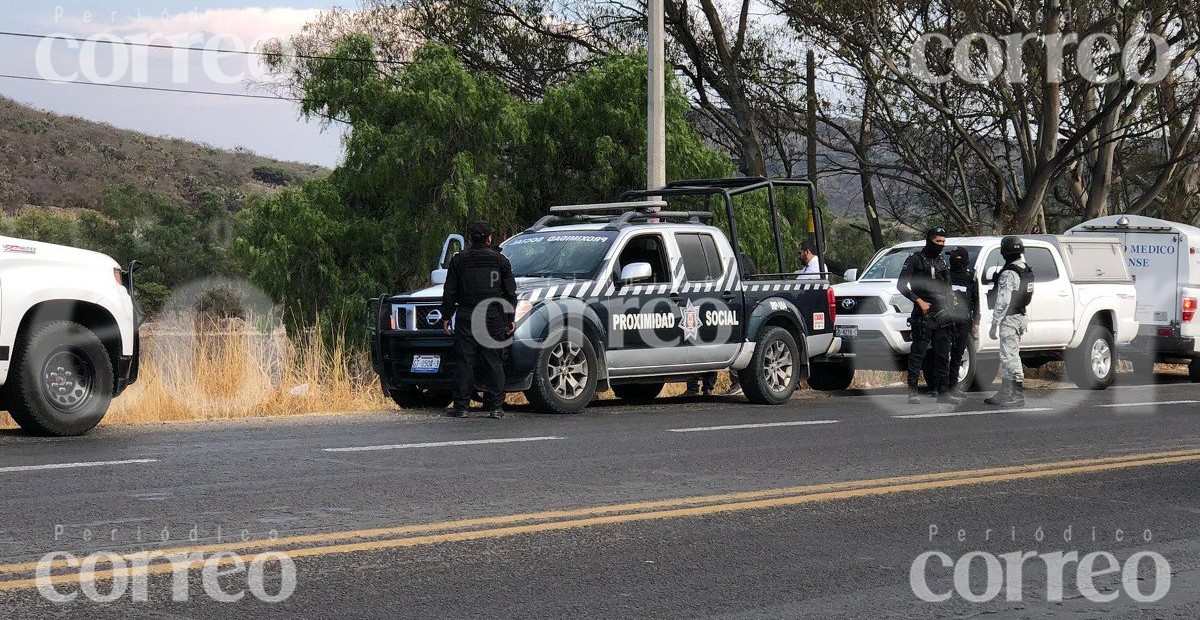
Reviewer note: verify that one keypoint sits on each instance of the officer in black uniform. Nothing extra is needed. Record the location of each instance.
(477, 280)
(965, 312)
(925, 281)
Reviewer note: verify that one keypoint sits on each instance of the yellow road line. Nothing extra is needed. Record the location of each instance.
(938, 481)
(617, 508)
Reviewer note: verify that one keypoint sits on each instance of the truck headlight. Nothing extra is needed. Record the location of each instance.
(901, 304)
(523, 308)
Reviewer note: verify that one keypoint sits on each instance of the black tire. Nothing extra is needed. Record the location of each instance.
(417, 397)
(556, 393)
(1194, 370)
(830, 376)
(779, 387)
(61, 380)
(1093, 364)
(638, 392)
(983, 373)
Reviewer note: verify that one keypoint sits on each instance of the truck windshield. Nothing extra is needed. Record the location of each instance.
(571, 255)
(889, 265)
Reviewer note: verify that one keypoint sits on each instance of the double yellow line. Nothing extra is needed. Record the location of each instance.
(378, 539)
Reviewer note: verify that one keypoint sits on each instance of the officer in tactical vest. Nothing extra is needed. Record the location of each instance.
(925, 280)
(477, 280)
(1014, 290)
(965, 311)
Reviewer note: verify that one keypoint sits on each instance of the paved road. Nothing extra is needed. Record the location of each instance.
(681, 509)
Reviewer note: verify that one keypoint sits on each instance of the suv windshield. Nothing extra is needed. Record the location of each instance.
(889, 265)
(572, 255)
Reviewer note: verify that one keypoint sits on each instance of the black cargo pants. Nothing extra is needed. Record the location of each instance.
(929, 338)
(471, 355)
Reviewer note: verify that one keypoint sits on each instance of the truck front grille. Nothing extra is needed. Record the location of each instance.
(861, 305)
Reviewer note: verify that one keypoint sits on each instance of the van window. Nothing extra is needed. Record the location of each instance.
(1040, 260)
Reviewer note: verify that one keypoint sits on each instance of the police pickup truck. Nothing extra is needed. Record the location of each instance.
(1082, 312)
(68, 335)
(627, 296)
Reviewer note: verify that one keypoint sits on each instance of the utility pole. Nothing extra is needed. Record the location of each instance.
(656, 112)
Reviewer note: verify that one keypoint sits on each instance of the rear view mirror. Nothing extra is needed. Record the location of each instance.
(851, 275)
(438, 276)
(989, 276)
(636, 272)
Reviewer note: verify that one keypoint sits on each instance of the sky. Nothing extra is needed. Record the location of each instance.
(268, 127)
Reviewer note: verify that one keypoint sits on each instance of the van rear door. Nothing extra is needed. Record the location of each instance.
(1154, 259)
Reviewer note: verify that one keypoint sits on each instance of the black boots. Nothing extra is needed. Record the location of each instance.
(1011, 394)
(948, 397)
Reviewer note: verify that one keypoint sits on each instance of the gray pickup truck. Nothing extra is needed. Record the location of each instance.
(627, 296)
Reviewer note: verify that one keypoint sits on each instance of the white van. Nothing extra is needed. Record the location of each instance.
(1164, 258)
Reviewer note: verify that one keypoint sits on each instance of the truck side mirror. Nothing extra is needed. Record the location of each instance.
(636, 272)
(989, 276)
(851, 275)
(438, 276)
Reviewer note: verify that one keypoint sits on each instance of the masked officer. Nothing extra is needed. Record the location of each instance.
(965, 312)
(925, 280)
(1014, 290)
(477, 280)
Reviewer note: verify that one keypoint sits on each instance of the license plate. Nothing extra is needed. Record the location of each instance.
(426, 363)
(846, 332)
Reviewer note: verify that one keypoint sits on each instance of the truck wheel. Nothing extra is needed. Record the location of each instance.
(830, 376)
(637, 392)
(62, 381)
(565, 377)
(774, 370)
(411, 397)
(983, 373)
(1093, 364)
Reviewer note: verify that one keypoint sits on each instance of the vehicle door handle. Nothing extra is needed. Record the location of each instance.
(675, 297)
(728, 296)
(1063, 294)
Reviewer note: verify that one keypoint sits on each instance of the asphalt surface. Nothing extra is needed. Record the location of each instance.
(546, 541)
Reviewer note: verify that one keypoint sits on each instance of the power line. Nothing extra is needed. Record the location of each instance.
(164, 46)
(187, 91)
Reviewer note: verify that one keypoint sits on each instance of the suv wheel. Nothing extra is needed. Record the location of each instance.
(774, 370)
(566, 374)
(62, 380)
(1093, 364)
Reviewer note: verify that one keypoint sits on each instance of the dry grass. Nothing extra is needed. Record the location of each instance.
(231, 370)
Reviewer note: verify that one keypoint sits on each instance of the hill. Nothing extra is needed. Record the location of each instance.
(52, 160)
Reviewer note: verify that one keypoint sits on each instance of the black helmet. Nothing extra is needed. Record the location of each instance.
(1011, 247)
(936, 231)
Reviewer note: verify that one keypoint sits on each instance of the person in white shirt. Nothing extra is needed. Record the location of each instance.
(811, 265)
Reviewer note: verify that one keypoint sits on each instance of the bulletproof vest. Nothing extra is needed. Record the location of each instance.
(479, 277)
(1024, 293)
(931, 280)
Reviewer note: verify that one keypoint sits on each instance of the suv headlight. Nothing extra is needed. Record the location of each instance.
(901, 304)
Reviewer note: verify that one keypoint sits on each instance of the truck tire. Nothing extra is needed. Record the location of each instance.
(566, 374)
(61, 380)
(774, 370)
(983, 373)
(414, 397)
(638, 392)
(830, 376)
(1093, 364)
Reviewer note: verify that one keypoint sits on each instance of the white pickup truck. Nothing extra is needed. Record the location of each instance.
(68, 335)
(1083, 309)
